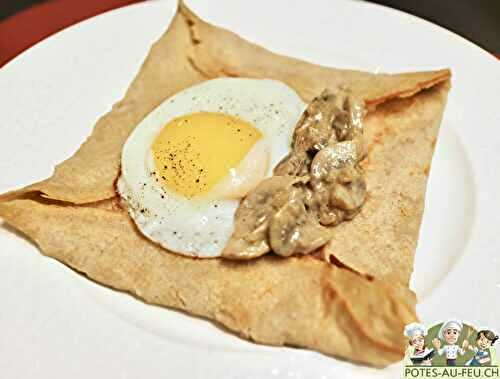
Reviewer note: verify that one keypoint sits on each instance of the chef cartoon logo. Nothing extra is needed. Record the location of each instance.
(450, 349)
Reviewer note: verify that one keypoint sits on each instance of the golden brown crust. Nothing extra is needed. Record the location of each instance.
(326, 308)
(218, 52)
(189, 52)
(89, 175)
(380, 241)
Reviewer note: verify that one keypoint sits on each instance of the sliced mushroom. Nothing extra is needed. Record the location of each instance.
(293, 230)
(250, 237)
(317, 186)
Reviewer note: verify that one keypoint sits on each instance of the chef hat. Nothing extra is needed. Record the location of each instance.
(415, 329)
(450, 324)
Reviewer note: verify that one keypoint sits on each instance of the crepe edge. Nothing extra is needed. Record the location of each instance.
(248, 319)
(56, 191)
(414, 82)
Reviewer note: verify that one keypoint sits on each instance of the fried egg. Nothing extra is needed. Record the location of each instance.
(187, 165)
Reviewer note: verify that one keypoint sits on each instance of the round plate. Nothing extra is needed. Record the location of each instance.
(56, 323)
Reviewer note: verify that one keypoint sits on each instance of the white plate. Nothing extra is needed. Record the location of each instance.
(55, 324)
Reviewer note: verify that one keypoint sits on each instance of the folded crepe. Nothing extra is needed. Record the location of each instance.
(355, 307)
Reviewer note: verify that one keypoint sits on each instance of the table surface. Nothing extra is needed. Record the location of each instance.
(32, 24)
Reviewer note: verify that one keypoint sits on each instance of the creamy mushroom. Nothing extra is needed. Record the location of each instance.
(316, 187)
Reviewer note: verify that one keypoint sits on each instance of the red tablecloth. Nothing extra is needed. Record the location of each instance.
(26, 28)
(30, 26)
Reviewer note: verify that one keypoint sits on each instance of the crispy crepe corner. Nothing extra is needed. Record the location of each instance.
(355, 308)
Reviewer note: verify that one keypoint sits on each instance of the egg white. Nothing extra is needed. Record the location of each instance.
(202, 226)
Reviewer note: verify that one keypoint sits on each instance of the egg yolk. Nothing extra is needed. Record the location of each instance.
(193, 153)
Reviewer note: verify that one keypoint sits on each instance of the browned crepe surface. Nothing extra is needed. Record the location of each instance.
(357, 312)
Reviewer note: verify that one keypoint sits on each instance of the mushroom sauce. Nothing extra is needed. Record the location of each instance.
(316, 187)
